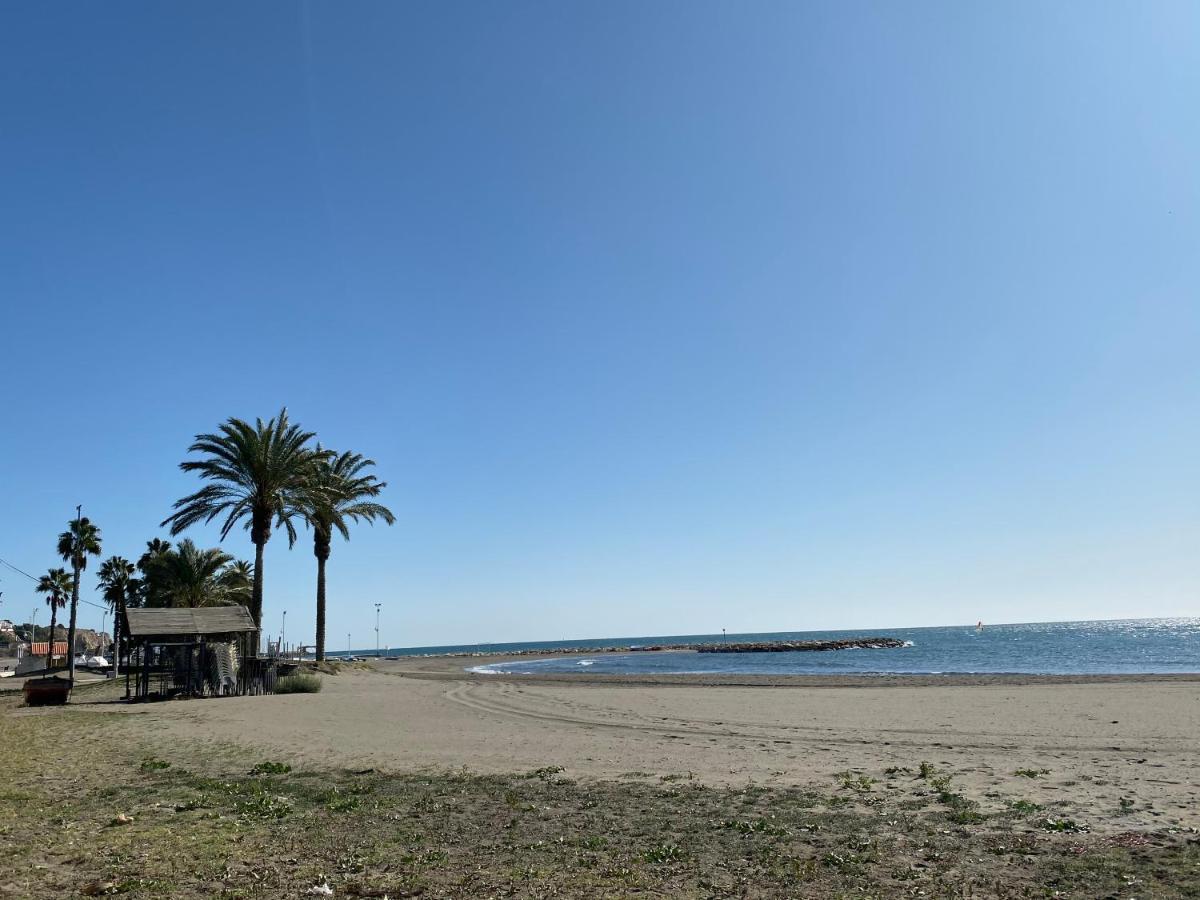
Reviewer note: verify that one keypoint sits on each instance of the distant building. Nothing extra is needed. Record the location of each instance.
(7, 628)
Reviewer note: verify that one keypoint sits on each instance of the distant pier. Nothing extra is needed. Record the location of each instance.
(871, 643)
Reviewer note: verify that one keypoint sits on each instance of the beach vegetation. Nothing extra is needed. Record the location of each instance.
(298, 684)
(545, 773)
(337, 492)
(861, 784)
(754, 826)
(270, 767)
(1025, 807)
(1063, 825)
(926, 770)
(663, 853)
(1030, 773)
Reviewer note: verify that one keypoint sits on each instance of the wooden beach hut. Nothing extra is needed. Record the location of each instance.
(203, 652)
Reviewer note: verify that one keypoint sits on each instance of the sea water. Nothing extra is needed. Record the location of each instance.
(1053, 648)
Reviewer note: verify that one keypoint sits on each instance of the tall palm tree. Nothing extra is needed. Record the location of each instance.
(257, 473)
(338, 492)
(81, 539)
(57, 585)
(115, 576)
(191, 577)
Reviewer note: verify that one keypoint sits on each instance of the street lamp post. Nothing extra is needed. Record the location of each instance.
(33, 630)
(347, 643)
(282, 632)
(377, 606)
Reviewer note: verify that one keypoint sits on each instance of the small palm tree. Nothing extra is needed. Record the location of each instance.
(338, 492)
(116, 575)
(238, 578)
(81, 539)
(257, 474)
(191, 577)
(144, 585)
(57, 585)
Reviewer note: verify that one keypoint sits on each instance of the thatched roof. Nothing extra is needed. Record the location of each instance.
(145, 623)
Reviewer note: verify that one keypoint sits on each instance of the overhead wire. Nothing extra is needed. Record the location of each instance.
(32, 578)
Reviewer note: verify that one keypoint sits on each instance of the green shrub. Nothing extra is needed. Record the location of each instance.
(298, 684)
(271, 768)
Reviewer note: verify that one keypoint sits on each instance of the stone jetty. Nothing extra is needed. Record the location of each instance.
(871, 643)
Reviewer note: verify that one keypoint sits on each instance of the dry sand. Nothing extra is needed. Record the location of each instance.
(1100, 739)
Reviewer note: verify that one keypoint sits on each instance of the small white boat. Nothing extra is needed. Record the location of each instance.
(92, 662)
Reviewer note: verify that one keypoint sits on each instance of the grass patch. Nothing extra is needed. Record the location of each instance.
(1025, 807)
(298, 684)
(860, 784)
(269, 767)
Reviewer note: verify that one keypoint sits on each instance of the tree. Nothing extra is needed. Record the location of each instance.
(239, 578)
(257, 473)
(144, 586)
(81, 539)
(191, 577)
(116, 584)
(337, 493)
(57, 585)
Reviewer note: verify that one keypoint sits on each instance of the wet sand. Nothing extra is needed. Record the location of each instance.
(1100, 739)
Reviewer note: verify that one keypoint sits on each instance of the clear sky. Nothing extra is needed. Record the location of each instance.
(657, 317)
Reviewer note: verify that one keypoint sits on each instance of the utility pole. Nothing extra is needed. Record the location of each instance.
(377, 606)
(282, 632)
(347, 643)
(33, 630)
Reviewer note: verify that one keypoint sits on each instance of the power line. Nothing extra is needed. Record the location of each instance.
(33, 579)
(15, 569)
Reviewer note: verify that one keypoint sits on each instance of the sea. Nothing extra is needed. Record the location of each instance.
(1126, 646)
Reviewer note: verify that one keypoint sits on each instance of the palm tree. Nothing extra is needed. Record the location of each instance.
(257, 473)
(80, 539)
(56, 585)
(191, 577)
(338, 491)
(116, 576)
(239, 581)
(144, 586)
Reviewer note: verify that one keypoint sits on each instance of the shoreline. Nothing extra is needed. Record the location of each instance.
(449, 666)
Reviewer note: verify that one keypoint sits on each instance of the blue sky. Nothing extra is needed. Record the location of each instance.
(658, 318)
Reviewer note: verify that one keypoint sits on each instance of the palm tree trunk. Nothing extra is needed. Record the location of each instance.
(256, 598)
(50, 645)
(320, 608)
(71, 628)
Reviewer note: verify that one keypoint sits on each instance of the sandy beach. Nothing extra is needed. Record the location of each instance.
(1091, 741)
(417, 778)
